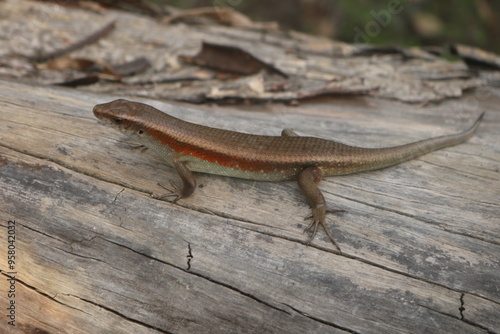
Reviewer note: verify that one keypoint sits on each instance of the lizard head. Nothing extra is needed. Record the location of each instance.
(137, 120)
(120, 114)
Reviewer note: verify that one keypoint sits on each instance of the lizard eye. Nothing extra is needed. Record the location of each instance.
(141, 131)
(118, 120)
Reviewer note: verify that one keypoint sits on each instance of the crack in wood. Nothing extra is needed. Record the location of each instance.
(436, 311)
(121, 315)
(189, 257)
(461, 309)
(462, 306)
(328, 323)
(37, 290)
(78, 255)
(44, 234)
(118, 194)
(246, 294)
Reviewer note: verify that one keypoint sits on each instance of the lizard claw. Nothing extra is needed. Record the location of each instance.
(175, 192)
(141, 147)
(318, 218)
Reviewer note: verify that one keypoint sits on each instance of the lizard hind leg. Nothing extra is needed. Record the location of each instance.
(308, 180)
(289, 133)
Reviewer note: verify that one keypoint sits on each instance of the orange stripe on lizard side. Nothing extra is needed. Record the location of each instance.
(209, 155)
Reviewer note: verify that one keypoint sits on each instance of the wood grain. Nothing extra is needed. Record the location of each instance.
(96, 253)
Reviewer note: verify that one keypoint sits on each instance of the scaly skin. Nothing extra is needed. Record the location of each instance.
(191, 147)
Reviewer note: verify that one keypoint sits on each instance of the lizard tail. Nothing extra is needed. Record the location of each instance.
(385, 157)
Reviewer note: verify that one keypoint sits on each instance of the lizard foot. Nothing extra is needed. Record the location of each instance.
(142, 148)
(318, 217)
(175, 191)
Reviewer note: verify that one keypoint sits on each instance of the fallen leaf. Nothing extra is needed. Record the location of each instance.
(229, 59)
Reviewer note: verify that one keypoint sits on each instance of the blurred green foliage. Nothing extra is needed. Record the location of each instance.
(420, 22)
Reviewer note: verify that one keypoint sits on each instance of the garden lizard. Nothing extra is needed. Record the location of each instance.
(190, 147)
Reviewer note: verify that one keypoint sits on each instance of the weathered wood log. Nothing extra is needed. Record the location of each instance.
(95, 252)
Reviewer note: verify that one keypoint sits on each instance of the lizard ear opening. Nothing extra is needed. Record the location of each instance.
(141, 131)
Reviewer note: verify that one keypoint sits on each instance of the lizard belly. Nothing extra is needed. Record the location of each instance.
(200, 165)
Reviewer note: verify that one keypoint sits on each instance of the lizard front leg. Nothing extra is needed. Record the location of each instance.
(308, 180)
(188, 182)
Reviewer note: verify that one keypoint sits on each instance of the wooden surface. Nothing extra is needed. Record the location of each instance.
(97, 254)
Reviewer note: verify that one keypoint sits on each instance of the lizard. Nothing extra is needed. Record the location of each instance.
(190, 147)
